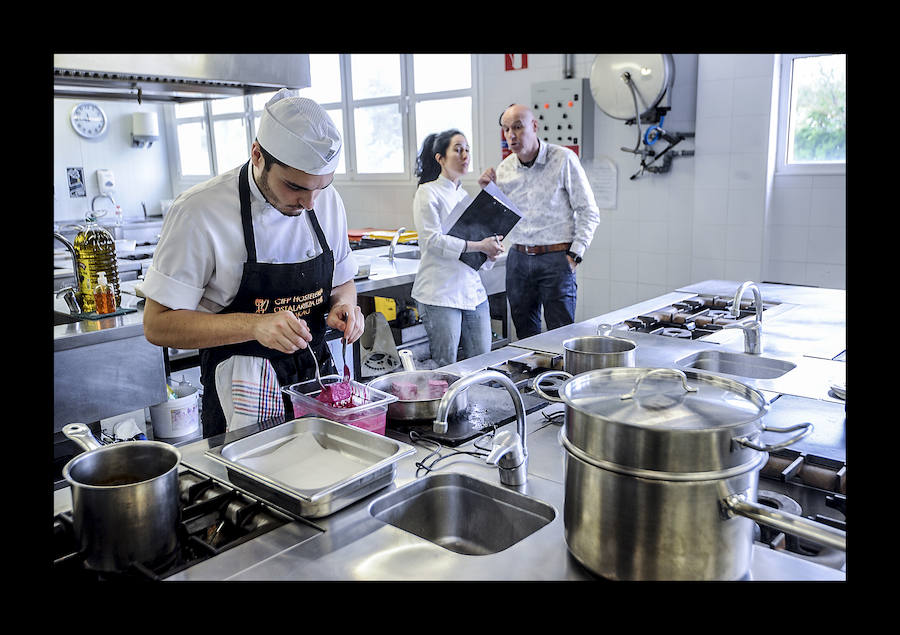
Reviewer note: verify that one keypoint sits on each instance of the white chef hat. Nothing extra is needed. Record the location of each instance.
(298, 132)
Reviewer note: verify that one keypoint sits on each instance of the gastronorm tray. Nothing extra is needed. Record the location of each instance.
(312, 466)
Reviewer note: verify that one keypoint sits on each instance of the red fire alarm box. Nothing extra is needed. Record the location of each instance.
(516, 61)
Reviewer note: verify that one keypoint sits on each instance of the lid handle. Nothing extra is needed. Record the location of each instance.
(637, 384)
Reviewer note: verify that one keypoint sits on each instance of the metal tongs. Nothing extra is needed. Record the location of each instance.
(344, 354)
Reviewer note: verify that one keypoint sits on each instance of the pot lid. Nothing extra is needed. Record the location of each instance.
(664, 398)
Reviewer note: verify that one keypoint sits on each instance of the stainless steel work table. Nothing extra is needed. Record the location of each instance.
(353, 545)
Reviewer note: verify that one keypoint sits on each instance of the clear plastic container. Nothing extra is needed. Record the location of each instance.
(368, 409)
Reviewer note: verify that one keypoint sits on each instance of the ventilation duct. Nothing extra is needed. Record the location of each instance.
(175, 77)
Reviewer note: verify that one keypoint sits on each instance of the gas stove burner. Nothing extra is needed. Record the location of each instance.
(718, 313)
(670, 331)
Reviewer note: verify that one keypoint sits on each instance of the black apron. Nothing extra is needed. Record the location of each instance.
(303, 287)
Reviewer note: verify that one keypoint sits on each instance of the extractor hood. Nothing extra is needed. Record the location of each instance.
(176, 77)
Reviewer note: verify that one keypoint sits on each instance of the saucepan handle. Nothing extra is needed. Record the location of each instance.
(805, 429)
(81, 434)
(789, 523)
(406, 358)
(542, 377)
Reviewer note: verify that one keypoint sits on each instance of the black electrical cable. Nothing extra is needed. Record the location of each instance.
(417, 438)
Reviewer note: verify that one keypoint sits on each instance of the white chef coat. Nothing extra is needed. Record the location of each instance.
(201, 254)
(554, 196)
(443, 279)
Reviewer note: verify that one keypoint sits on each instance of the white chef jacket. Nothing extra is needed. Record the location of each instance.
(200, 257)
(443, 279)
(554, 196)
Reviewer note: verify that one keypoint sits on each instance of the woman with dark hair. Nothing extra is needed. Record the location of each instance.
(451, 298)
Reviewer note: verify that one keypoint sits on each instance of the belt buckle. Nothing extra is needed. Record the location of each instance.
(531, 250)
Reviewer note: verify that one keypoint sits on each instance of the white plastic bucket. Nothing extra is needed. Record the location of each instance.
(178, 417)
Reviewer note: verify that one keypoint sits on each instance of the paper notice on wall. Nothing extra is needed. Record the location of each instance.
(602, 175)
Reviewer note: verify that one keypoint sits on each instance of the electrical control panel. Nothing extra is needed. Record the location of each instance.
(564, 110)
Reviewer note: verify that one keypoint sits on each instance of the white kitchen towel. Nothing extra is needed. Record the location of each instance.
(248, 391)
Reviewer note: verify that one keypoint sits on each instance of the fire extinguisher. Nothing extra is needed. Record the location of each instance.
(504, 147)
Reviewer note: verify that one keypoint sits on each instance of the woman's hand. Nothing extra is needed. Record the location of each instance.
(490, 246)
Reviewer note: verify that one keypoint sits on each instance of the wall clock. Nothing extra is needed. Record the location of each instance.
(88, 120)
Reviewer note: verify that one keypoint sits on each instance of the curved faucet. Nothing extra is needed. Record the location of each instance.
(509, 452)
(107, 195)
(752, 331)
(394, 243)
(71, 249)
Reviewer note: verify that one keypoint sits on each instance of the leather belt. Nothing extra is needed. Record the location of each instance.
(533, 250)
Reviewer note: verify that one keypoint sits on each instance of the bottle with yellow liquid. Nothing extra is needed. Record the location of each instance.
(95, 250)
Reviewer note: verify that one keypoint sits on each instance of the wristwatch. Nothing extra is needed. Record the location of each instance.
(573, 256)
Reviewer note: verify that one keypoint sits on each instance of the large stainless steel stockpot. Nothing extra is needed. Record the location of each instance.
(662, 471)
(424, 408)
(125, 506)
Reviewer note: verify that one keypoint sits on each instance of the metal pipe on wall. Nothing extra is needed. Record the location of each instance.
(568, 65)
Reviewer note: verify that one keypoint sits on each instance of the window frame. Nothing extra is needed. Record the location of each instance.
(406, 104)
(782, 167)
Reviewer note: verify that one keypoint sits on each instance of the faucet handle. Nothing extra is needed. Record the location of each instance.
(506, 450)
(752, 335)
(69, 295)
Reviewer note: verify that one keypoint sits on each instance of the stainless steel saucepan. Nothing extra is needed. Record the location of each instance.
(424, 383)
(603, 350)
(125, 506)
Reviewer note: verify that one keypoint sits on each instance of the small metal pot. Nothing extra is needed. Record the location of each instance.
(662, 472)
(416, 409)
(592, 352)
(125, 506)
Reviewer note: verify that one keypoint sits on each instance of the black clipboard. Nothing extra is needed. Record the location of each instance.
(489, 213)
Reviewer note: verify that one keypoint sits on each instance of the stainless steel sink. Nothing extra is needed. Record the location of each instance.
(463, 514)
(737, 364)
(411, 255)
(63, 318)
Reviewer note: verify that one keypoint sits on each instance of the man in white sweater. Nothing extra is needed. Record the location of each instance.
(559, 216)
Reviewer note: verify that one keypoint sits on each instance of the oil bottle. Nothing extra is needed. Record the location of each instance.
(95, 250)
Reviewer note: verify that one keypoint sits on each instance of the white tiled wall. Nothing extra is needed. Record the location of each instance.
(142, 174)
(706, 218)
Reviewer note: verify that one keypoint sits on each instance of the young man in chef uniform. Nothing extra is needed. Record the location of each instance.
(253, 264)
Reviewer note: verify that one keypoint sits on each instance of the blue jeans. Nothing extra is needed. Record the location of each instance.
(540, 281)
(449, 329)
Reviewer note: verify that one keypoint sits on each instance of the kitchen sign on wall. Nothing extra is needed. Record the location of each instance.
(516, 61)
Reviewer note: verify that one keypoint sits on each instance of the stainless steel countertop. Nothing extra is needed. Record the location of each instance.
(353, 545)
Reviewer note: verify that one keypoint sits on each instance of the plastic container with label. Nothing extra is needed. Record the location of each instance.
(367, 410)
(177, 417)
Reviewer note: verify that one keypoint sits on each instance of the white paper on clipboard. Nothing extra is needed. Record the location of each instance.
(461, 207)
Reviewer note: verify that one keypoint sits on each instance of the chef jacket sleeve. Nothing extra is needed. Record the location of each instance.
(182, 263)
(427, 208)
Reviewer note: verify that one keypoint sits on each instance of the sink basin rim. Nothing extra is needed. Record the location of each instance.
(409, 255)
(737, 364)
(399, 508)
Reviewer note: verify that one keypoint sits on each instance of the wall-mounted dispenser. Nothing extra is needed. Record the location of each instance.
(144, 129)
